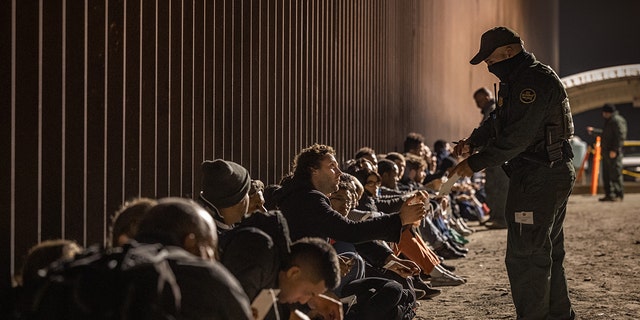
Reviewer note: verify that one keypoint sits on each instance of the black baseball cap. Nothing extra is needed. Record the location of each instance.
(492, 39)
(608, 108)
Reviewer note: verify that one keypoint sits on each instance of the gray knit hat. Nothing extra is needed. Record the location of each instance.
(224, 183)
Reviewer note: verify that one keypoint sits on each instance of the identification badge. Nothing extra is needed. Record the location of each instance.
(524, 217)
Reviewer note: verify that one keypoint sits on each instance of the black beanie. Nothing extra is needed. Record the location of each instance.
(608, 108)
(224, 183)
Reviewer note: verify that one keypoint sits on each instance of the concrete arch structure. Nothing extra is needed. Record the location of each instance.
(591, 89)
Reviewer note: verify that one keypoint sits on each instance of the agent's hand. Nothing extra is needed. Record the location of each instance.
(328, 308)
(462, 169)
(461, 148)
(414, 208)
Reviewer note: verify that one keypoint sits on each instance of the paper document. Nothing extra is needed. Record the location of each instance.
(264, 301)
(446, 187)
(392, 263)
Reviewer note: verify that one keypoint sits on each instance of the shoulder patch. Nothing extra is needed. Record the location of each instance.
(527, 96)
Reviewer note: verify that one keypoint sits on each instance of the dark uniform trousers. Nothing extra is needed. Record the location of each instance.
(535, 252)
(612, 175)
(496, 185)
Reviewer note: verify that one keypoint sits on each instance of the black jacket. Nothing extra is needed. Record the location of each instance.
(531, 98)
(309, 214)
(614, 133)
(255, 252)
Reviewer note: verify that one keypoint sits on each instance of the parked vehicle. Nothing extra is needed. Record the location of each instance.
(631, 160)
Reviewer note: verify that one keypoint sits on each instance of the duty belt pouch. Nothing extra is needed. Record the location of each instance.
(554, 142)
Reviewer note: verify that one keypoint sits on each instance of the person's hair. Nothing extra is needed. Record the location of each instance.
(348, 186)
(170, 221)
(363, 174)
(364, 151)
(256, 186)
(414, 163)
(125, 221)
(43, 254)
(318, 259)
(393, 156)
(358, 164)
(385, 165)
(439, 146)
(482, 90)
(357, 187)
(413, 141)
(310, 158)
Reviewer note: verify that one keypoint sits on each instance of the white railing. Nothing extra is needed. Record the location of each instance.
(617, 72)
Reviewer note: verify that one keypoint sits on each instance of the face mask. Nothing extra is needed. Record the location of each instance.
(501, 69)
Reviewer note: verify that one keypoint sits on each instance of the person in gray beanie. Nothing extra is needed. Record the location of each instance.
(225, 192)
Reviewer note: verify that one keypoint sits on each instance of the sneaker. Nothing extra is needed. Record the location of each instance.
(610, 199)
(457, 225)
(464, 224)
(449, 253)
(419, 293)
(448, 267)
(460, 229)
(458, 238)
(495, 225)
(446, 281)
(457, 247)
(430, 292)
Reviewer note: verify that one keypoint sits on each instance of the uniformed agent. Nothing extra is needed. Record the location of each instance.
(613, 135)
(528, 133)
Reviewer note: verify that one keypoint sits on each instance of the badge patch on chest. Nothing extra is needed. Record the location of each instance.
(527, 96)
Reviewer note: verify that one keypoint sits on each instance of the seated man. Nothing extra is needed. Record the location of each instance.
(304, 201)
(261, 261)
(389, 176)
(207, 289)
(225, 192)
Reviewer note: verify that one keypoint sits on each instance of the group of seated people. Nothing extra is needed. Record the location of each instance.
(361, 240)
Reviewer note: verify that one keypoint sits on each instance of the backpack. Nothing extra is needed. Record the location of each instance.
(273, 223)
(273, 227)
(133, 282)
(401, 306)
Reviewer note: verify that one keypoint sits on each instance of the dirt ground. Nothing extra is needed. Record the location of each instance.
(602, 241)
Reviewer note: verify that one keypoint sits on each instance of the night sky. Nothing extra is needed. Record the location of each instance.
(597, 34)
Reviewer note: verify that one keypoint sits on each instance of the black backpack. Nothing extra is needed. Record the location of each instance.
(273, 223)
(133, 282)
